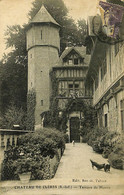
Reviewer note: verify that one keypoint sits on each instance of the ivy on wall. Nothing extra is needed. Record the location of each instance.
(89, 119)
(52, 118)
(31, 103)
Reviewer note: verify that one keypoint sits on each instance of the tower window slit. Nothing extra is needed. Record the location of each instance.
(41, 102)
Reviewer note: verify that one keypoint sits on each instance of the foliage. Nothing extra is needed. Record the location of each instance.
(33, 153)
(116, 156)
(13, 77)
(31, 102)
(14, 116)
(52, 118)
(23, 165)
(47, 139)
(109, 144)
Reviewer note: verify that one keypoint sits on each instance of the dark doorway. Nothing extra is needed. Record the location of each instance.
(74, 129)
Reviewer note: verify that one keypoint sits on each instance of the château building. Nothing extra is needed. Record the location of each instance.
(70, 69)
(82, 73)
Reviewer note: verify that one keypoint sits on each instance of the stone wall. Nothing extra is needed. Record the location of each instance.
(113, 111)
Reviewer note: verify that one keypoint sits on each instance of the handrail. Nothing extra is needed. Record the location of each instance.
(16, 131)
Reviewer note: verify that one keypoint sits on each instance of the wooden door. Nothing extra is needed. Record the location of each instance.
(74, 129)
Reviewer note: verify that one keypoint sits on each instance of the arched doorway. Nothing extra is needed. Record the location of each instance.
(74, 129)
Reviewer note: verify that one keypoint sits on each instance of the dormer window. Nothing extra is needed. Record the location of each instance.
(76, 61)
(73, 57)
(82, 60)
(70, 62)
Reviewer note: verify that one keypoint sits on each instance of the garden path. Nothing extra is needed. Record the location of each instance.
(74, 176)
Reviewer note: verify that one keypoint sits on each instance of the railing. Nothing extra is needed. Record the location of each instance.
(8, 138)
(71, 92)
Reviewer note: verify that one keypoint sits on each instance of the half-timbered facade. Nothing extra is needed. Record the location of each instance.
(70, 74)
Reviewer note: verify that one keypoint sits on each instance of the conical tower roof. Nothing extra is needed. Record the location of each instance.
(43, 16)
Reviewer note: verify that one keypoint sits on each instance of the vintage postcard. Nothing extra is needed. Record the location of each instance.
(61, 97)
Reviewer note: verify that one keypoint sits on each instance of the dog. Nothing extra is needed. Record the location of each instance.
(73, 142)
(98, 166)
(107, 168)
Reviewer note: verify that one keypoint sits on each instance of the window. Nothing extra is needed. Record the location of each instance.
(73, 88)
(101, 73)
(106, 120)
(81, 60)
(41, 102)
(76, 86)
(76, 61)
(41, 34)
(122, 114)
(70, 86)
(70, 62)
(100, 119)
(73, 85)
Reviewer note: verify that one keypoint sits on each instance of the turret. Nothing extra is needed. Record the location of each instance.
(43, 44)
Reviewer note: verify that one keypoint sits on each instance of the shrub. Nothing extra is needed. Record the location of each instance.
(33, 153)
(116, 160)
(116, 157)
(109, 144)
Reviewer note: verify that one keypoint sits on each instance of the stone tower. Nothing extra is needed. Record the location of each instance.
(43, 44)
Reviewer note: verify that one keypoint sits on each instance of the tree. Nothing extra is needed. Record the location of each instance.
(82, 31)
(13, 81)
(14, 116)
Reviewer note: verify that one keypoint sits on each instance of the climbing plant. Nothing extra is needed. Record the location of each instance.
(31, 103)
(88, 121)
(51, 116)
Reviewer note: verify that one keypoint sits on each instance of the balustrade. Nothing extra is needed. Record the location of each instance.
(71, 93)
(8, 138)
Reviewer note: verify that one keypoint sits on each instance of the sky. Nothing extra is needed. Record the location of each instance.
(15, 12)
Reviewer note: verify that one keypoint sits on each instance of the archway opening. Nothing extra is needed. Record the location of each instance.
(74, 129)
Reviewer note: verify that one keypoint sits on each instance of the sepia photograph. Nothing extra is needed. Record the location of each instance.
(61, 97)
